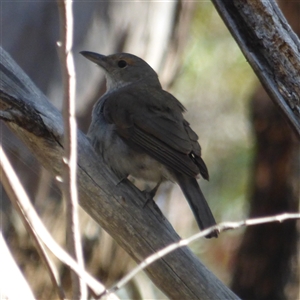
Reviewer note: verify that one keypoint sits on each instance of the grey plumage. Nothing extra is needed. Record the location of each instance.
(139, 130)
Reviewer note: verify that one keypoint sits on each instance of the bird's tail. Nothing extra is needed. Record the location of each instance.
(197, 202)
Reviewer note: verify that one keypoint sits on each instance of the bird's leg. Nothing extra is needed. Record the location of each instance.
(121, 180)
(150, 194)
(121, 177)
(149, 197)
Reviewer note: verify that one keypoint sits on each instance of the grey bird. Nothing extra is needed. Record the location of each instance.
(139, 130)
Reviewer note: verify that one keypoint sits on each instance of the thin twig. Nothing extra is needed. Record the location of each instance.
(29, 216)
(79, 290)
(15, 192)
(220, 227)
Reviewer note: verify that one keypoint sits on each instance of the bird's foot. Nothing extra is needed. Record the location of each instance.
(121, 180)
(149, 197)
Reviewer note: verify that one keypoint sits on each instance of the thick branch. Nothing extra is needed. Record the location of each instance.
(271, 48)
(117, 207)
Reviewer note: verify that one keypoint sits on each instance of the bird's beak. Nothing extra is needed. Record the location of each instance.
(99, 59)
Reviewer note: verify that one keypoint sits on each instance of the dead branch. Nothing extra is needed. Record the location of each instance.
(79, 289)
(224, 226)
(38, 231)
(271, 48)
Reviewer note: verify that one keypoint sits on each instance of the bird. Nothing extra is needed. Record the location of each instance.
(139, 129)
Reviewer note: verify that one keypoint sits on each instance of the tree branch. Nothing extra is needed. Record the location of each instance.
(39, 232)
(271, 48)
(16, 193)
(220, 227)
(79, 289)
(117, 207)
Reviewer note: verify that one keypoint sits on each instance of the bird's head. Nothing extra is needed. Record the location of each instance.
(122, 69)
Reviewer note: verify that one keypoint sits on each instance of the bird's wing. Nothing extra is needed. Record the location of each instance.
(143, 120)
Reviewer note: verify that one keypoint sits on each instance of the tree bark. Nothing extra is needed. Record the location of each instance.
(271, 48)
(117, 206)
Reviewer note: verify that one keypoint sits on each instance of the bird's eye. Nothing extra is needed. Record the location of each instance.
(122, 64)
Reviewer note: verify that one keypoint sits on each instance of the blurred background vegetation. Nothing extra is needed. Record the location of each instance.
(199, 62)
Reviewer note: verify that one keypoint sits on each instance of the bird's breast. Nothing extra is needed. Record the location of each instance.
(123, 159)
